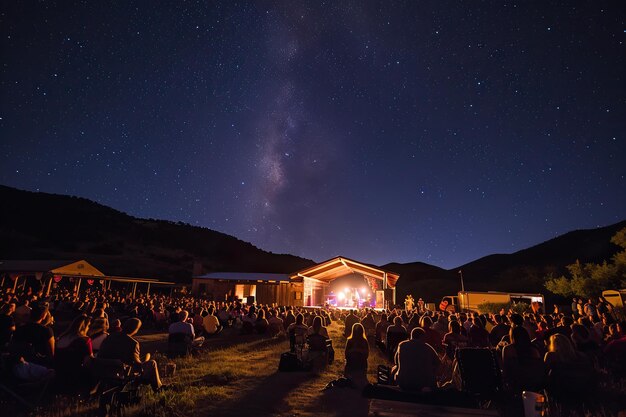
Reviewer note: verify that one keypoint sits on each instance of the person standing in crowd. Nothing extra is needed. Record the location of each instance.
(580, 308)
(574, 306)
(589, 309)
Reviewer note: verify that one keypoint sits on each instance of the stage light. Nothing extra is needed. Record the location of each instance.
(341, 296)
(363, 290)
(346, 290)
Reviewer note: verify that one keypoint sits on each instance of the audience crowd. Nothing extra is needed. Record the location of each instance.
(60, 335)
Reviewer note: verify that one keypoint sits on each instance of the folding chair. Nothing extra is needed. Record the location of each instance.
(116, 385)
(480, 374)
(300, 345)
(27, 393)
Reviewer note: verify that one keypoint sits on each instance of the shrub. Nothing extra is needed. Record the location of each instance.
(493, 308)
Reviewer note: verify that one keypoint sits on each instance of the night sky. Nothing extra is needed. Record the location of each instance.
(433, 131)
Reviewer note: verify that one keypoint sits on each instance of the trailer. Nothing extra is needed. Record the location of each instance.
(470, 300)
(616, 297)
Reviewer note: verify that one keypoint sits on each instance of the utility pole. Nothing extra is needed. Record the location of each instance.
(462, 286)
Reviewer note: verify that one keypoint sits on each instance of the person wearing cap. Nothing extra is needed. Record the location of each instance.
(122, 346)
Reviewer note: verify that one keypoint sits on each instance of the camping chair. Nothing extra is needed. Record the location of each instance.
(27, 393)
(300, 346)
(116, 385)
(178, 344)
(319, 351)
(480, 374)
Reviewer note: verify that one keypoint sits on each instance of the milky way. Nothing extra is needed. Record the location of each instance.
(383, 131)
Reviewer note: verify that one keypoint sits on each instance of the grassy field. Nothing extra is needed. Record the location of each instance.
(234, 375)
(238, 375)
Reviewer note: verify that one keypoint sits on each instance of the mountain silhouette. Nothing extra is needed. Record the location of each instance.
(36, 225)
(521, 271)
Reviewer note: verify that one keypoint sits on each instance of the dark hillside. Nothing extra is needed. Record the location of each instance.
(48, 226)
(522, 271)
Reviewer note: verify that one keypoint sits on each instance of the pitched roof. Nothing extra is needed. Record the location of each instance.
(244, 276)
(340, 266)
(57, 267)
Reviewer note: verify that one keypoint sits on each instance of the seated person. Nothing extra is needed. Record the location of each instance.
(297, 332)
(289, 318)
(431, 336)
(98, 331)
(369, 324)
(454, 339)
(185, 328)
(351, 318)
(198, 320)
(7, 324)
(28, 371)
(569, 372)
(34, 341)
(275, 324)
(317, 337)
(498, 331)
(477, 334)
(318, 328)
(122, 346)
(381, 330)
(522, 365)
(248, 321)
(210, 323)
(224, 317)
(417, 363)
(614, 353)
(395, 334)
(73, 350)
(261, 324)
(356, 354)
